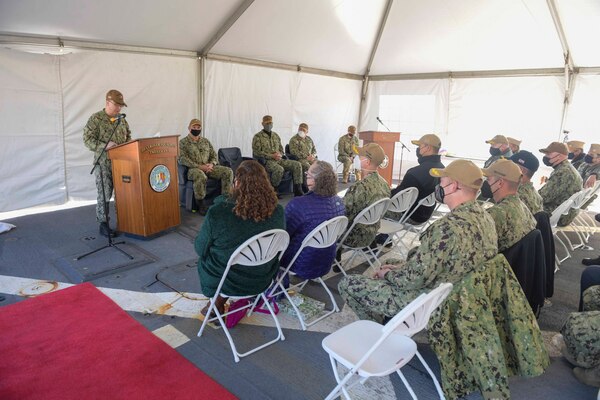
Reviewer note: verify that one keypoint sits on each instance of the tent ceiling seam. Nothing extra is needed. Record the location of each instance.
(226, 26)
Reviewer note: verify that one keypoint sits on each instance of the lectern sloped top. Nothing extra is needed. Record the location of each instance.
(146, 148)
(379, 137)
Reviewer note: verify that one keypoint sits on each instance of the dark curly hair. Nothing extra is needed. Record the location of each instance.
(254, 196)
(325, 179)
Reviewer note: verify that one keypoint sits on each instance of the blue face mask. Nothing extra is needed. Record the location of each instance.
(571, 156)
(495, 152)
(588, 158)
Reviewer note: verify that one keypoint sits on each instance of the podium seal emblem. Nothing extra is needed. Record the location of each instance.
(160, 178)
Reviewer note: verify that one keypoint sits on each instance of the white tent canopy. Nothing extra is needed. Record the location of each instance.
(466, 70)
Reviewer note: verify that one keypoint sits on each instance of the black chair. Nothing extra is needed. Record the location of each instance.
(231, 157)
(543, 224)
(186, 190)
(289, 155)
(528, 261)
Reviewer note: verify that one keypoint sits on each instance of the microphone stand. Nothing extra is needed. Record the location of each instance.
(401, 150)
(105, 203)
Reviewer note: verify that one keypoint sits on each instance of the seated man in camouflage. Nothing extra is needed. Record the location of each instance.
(512, 218)
(529, 164)
(197, 153)
(303, 148)
(346, 153)
(456, 244)
(266, 145)
(563, 182)
(581, 335)
(364, 193)
(590, 168)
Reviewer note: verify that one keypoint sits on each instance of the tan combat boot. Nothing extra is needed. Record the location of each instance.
(345, 178)
(358, 175)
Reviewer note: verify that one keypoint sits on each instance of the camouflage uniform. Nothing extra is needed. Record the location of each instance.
(453, 246)
(586, 170)
(193, 155)
(96, 134)
(359, 196)
(263, 146)
(513, 221)
(302, 148)
(591, 298)
(490, 161)
(485, 332)
(345, 152)
(530, 197)
(563, 182)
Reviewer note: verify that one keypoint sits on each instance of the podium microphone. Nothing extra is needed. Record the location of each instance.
(118, 117)
(400, 141)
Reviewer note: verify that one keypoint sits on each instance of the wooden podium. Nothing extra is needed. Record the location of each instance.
(387, 141)
(146, 187)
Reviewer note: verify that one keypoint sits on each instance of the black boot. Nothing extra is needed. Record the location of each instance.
(591, 261)
(298, 190)
(203, 207)
(105, 231)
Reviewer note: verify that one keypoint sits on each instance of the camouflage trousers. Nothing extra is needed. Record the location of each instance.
(103, 173)
(373, 299)
(591, 298)
(581, 334)
(223, 174)
(347, 161)
(276, 169)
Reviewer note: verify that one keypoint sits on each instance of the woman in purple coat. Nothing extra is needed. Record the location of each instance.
(305, 213)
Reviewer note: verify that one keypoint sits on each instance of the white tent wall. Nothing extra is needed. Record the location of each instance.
(160, 91)
(466, 112)
(31, 155)
(48, 164)
(526, 108)
(237, 96)
(410, 122)
(583, 119)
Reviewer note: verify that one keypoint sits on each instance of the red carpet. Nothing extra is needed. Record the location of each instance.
(76, 343)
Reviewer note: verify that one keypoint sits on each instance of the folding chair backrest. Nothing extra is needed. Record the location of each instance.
(428, 201)
(258, 250)
(324, 235)
(373, 213)
(415, 316)
(403, 200)
(579, 200)
(563, 208)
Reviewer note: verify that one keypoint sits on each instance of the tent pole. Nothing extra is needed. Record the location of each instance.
(225, 27)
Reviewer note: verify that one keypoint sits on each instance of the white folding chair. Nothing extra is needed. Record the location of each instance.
(401, 202)
(369, 216)
(255, 251)
(554, 217)
(428, 201)
(368, 349)
(323, 236)
(577, 200)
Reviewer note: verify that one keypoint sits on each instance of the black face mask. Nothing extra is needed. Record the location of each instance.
(588, 158)
(196, 132)
(494, 151)
(419, 153)
(571, 156)
(486, 190)
(546, 161)
(440, 193)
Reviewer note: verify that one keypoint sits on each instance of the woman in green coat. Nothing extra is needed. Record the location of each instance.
(251, 208)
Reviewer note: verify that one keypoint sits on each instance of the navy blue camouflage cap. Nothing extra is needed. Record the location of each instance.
(526, 159)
